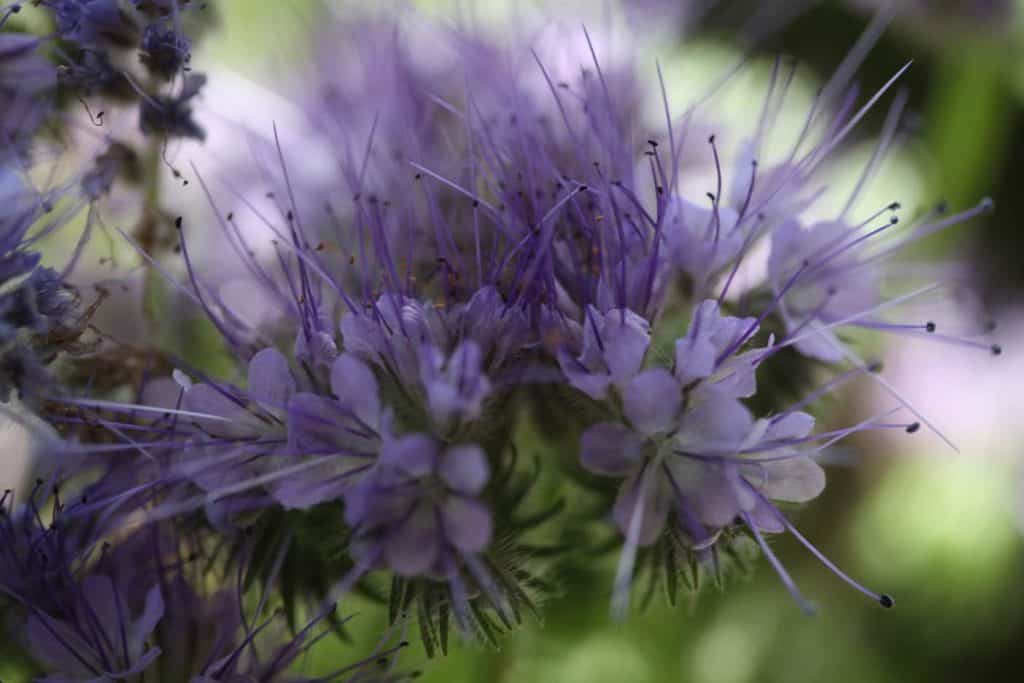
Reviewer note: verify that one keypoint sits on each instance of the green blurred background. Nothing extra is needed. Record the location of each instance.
(939, 530)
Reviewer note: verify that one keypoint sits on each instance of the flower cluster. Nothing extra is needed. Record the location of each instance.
(504, 334)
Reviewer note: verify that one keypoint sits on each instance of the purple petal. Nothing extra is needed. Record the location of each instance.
(270, 381)
(626, 337)
(822, 345)
(234, 419)
(766, 517)
(414, 455)
(610, 449)
(651, 401)
(695, 358)
(594, 385)
(465, 469)
(652, 501)
(796, 480)
(354, 384)
(151, 615)
(711, 491)
(737, 376)
(792, 426)
(467, 523)
(320, 426)
(413, 548)
(715, 423)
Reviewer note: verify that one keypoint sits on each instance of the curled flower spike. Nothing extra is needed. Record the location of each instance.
(495, 328)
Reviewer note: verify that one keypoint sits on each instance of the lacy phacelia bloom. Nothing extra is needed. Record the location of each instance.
(504, 280)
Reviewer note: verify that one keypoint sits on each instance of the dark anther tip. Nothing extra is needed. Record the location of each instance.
(652, 143)
(886, 601)
(177, 222)
(987, 204)
(913, 427)
(711, 140)
(929, 326)
(895, 206)
(876, 367)
(997, 350)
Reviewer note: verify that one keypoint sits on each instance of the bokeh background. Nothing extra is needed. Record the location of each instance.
(941, 530)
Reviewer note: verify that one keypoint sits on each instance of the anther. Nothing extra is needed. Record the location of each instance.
(876, 367)
(177, 223)
(886, 601)
(997, 350)
(913, 427)
(929, 326)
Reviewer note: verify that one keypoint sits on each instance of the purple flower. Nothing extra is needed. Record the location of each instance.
(392, 333)
(836, 284)
(456, 386)
(707, 354)
(688, 451)
(613, 349)
(418, 509)
(238, 431)
(336, 436)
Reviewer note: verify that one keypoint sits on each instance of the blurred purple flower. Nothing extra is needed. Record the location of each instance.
(418, 509)
(614, 344)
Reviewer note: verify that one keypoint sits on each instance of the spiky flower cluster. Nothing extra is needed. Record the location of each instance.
(502, 336)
